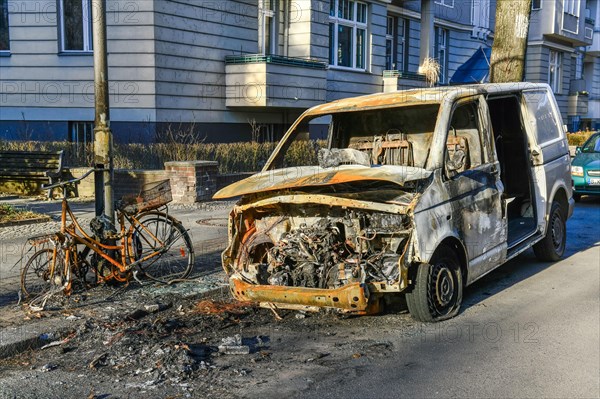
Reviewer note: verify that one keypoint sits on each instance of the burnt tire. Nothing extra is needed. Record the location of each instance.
(438, 288)
(35, 276)
(166, 236)
(552, 246)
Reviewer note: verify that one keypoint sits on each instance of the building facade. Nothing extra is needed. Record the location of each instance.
(563, 51)
(233, 70)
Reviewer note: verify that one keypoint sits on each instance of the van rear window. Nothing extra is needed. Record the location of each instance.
(541, 116)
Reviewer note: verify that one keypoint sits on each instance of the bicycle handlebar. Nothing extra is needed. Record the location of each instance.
(64, 183)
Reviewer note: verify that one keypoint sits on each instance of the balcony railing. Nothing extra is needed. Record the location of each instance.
(274, 59)
(257, 80)
(403, 75)
(400, 80)
(578, 104)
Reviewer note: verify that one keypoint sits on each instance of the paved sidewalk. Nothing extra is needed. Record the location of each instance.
(20, 331)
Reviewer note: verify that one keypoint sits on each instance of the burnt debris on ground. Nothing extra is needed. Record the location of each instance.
(148, 338)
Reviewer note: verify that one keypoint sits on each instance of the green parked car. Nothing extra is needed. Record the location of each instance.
(585, 168)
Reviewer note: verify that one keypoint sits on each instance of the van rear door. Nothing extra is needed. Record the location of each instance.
(549, 151)
(544, 127)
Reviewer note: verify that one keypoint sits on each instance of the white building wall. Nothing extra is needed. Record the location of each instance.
(39, 83)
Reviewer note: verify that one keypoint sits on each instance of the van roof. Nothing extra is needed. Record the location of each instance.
(419, 96)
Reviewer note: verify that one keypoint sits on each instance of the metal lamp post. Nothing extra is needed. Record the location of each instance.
(103, 140)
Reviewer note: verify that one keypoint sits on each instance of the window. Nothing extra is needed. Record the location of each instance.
(540, 113)
(348, 34)
(4, 37)
(390, 44)
(480, 14)
(445, 3)
(403, 35)
(555, 71)
(75, 25)
(579, 66)
(268, 35)
(441, 51)
(572, 7)
(81, 132)
(536, 4)
(464, 149)
(396, 51)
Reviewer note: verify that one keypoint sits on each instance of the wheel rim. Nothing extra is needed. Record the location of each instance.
(442, 288)
(558, 233)
(35, 278)
(174, 263)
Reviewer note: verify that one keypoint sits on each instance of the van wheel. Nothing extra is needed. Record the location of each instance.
(552, 247)
(438, 288)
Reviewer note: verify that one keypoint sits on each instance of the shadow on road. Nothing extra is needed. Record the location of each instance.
(582, 234)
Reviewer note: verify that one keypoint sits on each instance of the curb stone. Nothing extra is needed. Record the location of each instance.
(28, 341)
(26, 222)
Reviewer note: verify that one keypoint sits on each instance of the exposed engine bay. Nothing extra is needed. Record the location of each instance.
(346, 246)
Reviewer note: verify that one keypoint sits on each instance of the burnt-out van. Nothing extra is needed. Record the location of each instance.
(418, 192)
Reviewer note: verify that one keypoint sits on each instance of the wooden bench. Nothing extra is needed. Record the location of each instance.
(31, 166)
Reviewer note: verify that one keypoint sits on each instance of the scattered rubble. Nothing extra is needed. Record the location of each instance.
(233, 346)
(139, 344)
(48, 367)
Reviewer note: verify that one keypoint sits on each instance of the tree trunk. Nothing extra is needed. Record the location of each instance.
(510, 41)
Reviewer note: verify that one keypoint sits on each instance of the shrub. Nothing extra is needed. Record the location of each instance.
(232, 157)
(8, 213)
(578, 138)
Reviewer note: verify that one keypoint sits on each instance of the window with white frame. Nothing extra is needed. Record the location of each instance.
(441, 52)
(579, 66)
(390, 43)
(403, 35)
(572, 7)
(480, 14)
(4, 36)
(75, 25)
(445, 3)
(348, 34)
(555, 71)
(536, 4)
(268, 26)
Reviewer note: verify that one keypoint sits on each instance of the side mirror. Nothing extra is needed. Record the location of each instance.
(577, 150)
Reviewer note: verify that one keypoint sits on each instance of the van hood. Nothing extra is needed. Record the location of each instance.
(313, 176)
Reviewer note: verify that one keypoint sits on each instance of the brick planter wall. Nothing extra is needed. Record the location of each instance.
(126, 181)
(192, 181)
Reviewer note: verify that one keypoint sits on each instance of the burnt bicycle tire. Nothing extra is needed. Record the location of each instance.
(177, 260)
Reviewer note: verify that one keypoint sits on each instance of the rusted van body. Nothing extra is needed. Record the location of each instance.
(417, 192)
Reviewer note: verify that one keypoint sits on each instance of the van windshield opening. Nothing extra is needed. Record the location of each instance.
(399, 136)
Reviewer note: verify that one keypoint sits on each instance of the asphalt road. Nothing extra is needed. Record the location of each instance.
(527, 330)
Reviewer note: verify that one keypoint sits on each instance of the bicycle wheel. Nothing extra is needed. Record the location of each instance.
(35, 276)
(169, 242)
